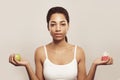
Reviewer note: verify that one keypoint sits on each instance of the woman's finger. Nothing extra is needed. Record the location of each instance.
(12, 61)
(110, 61)
(11, 58)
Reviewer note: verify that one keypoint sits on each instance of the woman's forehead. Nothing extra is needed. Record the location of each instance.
(58, 17)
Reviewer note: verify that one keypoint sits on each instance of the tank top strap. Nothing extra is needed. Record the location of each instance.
(45, 51)
(75, 51)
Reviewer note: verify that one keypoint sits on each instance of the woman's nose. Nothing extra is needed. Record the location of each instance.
(58, 28)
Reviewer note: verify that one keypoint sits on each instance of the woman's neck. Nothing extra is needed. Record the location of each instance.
(59, 44)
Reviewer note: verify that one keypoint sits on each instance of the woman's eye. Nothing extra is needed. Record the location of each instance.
(52, 25)
(63, 24)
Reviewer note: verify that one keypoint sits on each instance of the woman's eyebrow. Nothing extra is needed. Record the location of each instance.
(60, 21)
(52, 21)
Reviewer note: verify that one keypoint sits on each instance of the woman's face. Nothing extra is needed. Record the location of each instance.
(58, 26)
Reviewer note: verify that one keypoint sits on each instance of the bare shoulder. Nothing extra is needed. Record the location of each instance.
(80, 53)
(39, 53)
(39, 50)
(80, 50)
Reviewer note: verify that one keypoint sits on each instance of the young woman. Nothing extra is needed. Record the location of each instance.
(59, 60)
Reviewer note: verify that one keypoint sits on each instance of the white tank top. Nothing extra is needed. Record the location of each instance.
(53, 71)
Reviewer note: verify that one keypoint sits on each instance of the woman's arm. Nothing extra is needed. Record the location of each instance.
(81, 64)
(31, 73)
(38, 75)
(39, 64)
(24, 63)
(93, 68)
(91, 73)
(82, 68)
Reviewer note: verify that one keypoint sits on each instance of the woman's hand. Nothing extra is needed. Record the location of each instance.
(108, 61)
(15, 62)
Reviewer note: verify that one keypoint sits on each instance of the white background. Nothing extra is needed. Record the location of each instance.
(94, 26)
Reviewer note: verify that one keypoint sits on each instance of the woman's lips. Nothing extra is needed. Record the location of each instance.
(58, 34)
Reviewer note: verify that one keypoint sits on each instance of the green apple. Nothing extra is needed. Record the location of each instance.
(17, 57)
